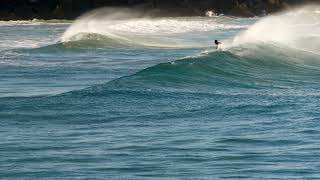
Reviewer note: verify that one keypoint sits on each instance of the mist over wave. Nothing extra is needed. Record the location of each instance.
(297, 28)
(133, 27)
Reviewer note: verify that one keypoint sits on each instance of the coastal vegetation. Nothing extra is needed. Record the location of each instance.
(70, 9)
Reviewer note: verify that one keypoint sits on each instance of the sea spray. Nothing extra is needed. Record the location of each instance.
(297, 28)
(133, 27)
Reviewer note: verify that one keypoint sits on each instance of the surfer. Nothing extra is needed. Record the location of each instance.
(216, 42)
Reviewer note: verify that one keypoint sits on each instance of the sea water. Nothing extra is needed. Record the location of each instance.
(125, 96)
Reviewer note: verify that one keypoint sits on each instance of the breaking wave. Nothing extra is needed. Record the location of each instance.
(278, 52)
(134, 28)
(298, 28)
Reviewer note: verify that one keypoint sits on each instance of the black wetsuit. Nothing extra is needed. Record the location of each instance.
(217, 43)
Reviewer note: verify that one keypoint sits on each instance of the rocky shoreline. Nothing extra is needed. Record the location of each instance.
(70, 9)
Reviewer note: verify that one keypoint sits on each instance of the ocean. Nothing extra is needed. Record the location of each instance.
(125, 96)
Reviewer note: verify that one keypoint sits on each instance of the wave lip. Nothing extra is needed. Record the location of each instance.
(86, 40)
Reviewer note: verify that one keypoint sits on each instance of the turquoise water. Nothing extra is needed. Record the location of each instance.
(153, 99)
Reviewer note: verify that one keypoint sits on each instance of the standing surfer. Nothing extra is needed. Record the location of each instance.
(216, 42)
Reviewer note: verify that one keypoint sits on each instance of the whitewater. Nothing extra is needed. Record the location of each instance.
(117, 94)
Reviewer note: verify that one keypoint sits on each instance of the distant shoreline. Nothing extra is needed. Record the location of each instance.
(71, 9)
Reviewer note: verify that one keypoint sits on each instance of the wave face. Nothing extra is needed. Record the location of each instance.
(261, 69)
(115, 98)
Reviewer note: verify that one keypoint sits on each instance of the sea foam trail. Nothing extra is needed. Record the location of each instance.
(135, 28)
(298, 28)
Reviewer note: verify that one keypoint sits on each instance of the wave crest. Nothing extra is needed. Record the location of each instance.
(136, 28)
(298, 28)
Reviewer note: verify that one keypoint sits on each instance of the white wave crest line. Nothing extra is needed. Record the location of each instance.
(144, 31)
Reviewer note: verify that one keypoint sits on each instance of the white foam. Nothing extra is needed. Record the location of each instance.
(298, 28)
(139, 29)
(24, 34)
(169, 26)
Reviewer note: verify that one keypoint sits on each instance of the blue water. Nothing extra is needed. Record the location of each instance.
(99, 109)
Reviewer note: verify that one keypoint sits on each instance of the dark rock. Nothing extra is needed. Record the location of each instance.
(241, 10)
(70, 9)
